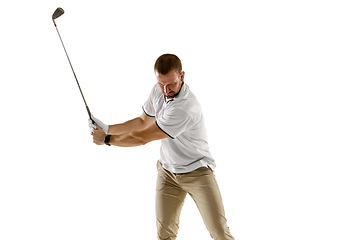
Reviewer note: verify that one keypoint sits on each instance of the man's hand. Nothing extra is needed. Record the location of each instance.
(98, 123)
(98, 135)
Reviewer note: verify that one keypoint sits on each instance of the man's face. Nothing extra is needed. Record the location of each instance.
(170, 84)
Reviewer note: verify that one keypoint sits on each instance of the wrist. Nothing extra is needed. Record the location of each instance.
(107, 140)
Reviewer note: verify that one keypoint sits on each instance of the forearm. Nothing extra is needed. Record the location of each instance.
(135, 124)
(126, 140)
(130, 139)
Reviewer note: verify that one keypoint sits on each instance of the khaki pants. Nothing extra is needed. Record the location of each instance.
(171, 190)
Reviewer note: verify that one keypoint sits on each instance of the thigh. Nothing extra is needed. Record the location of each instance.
(203, 188)
(169, 202)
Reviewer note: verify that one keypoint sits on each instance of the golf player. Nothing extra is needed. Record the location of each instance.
(173, 115)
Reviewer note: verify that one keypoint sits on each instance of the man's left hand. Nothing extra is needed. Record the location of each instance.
(98, 136)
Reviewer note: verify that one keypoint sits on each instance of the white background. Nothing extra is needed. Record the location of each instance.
(278, 82)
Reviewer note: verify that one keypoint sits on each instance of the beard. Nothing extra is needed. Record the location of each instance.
(171, 95)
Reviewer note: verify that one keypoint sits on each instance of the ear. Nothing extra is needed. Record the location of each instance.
(182, 76)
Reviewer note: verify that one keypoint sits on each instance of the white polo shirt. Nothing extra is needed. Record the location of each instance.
(181, 118)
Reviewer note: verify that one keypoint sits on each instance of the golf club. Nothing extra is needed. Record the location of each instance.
(58, 12)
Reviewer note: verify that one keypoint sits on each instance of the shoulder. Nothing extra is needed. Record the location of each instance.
(155, 91)
(188, 106)
(190, 103)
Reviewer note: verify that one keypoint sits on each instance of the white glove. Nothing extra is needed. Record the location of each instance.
(102, 125)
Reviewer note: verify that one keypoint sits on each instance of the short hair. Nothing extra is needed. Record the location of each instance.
(166, 63)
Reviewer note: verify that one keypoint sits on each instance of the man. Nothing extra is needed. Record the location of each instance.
(173, 114)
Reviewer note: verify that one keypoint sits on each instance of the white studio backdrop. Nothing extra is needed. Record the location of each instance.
(278, 82)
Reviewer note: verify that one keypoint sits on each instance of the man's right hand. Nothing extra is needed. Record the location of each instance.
(102, 125)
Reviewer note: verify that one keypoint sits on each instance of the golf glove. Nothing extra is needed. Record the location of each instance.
(102, 125)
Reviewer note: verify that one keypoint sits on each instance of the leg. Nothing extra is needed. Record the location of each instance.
(204, 189)
(169, 201)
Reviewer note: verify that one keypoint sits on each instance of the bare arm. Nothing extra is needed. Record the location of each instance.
(135, 124)
(137, 138)
(131, 139)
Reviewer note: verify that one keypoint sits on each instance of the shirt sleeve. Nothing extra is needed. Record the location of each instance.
(148, 106)
(174, 122)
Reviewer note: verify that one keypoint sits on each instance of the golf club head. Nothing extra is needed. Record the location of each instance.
(58, 12)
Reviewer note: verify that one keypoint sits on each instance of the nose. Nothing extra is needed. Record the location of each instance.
(166, 89)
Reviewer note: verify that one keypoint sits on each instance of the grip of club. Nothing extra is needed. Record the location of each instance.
(88, 110)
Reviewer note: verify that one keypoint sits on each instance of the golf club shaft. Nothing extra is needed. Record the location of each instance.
(87, 108)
